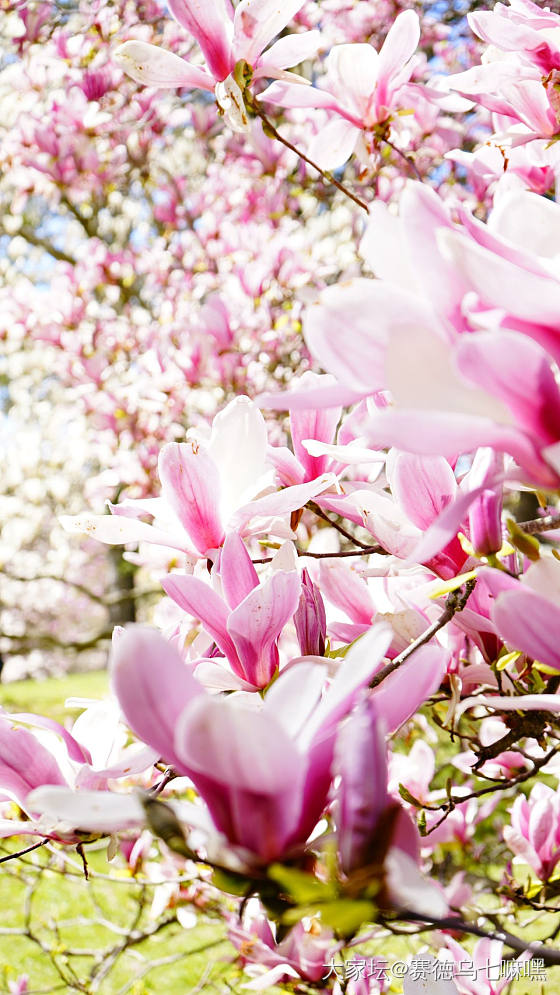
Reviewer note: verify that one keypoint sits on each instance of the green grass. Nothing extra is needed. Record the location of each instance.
(48, 697)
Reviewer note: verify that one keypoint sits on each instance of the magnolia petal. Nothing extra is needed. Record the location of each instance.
(237, 573)
(239, 445)
(116, 530)
(87, 811)
(153, 685)
(289, 51)
(154, 66)
(199, 600)
(292, 698)
(211, 23)
(282, 502)
(320, 397)
(257, 22)
(422, 485)
(403, 692)
(257, 623)
(408, 889)
(358, 667)
(190, 484)
(361, 762)
(215, 676)
(334, 143)
(530, 623)
(24, 762)
(397, 49)
(422, 978)
(234, 745)
(521, 703)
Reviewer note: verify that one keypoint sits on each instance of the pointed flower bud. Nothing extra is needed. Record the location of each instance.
(310, 619)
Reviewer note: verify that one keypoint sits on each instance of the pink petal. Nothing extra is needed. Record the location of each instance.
(361, 367)
(422, 485)
(190, 484)
(334, 143)
(344, 588)
(239, 428)
(75, 749)
(399, 46)
(247, 770)
(283, 502)
(199, 600)
(517, 370)
(257, 623)
(117, 530)
(529, 623)
(257, 22)
(216, 676)
(321, 397)
(293, 697)
(289, 51)
(444, 527)
(358, 667)
(451, 433)
(154, 66)
(237, 573)
(210, 22)
(530, 296)
(361, 762)
(91, 811)
(403, 692)
(153, 686)
(24, 763)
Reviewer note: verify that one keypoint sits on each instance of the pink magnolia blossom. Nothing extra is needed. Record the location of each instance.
(264, 773)
(480, 973)
(47, 758)
(302, 953)
(227, 38)
(363, 88)
(451, 392)
(207, 491)
(530, 32)
(246, 623)
(534, 833)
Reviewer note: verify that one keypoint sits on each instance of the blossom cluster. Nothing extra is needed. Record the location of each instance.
(348, 587)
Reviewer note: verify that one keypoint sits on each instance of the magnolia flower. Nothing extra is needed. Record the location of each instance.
(48, 758)
(233, 43)
(466, 321)
(534, 833)
(370, 83)
(245, 623)
(207, 491)
(264, 773)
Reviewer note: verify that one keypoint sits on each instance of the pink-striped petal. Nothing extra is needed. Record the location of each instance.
(199, 600)
(190, 484)
(211, 23)
(237, 573)
(256, 624)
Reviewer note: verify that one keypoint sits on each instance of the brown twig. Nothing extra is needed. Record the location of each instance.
(456, 601)
(272, 132)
